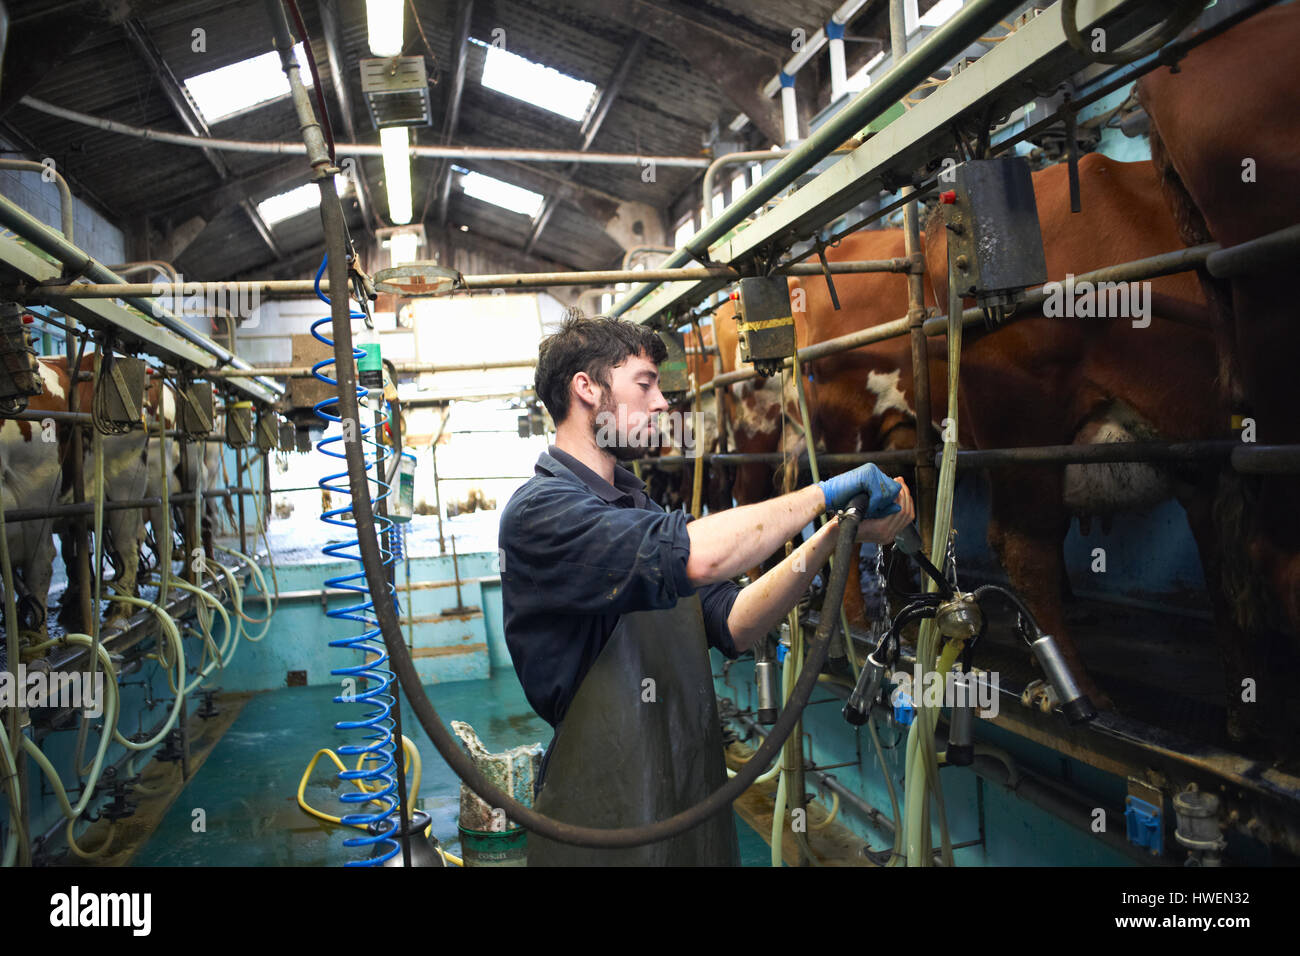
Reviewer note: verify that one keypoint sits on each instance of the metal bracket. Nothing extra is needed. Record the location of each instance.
(1069, 117)
(826, 272)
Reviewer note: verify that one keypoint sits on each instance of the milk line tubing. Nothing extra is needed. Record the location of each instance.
(178, 606)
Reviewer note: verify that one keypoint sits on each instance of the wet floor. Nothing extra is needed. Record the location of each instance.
(247, 788)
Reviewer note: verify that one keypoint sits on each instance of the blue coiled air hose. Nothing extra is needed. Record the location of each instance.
(378, 771)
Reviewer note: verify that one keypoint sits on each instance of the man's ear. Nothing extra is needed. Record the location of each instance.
(585, 389)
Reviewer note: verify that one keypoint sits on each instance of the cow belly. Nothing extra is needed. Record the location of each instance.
(1107, 488)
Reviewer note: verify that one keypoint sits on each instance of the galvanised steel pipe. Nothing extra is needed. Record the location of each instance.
(88, 507)
(506, 280)
(1255, 255)
(65, 194)
(403, 368)
(1123, 451)
(733, 159)
(941, 46)
(16, 218)
(1168, 263)
(847, 459)
(1246, 458)
(364, 149)
(1266, 459)
(84, 418)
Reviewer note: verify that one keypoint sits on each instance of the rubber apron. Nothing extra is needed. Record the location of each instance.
(640, 743)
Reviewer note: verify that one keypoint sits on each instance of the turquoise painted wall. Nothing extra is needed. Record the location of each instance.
(449, 650)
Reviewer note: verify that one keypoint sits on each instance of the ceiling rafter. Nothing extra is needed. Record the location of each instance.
(187, 112)
(590, 127)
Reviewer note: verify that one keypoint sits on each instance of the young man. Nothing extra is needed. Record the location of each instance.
(610, 603)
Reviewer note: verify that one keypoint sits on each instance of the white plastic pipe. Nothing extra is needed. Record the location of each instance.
(814, 43)
(790, 114)
(839, 72)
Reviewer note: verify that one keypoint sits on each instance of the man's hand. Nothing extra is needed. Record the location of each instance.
(867, 479)
(883, 530)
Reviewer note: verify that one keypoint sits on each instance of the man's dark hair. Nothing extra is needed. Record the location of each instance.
(591, 345)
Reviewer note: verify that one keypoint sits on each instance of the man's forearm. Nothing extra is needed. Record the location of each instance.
(729, 542)
(766, 601)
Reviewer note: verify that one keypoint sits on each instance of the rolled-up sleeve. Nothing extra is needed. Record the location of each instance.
(716, 601)
(579, 555)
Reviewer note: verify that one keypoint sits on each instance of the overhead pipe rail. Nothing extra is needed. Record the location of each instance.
(157, 333)
(283, 288)
(365, 149)
(1264, 252)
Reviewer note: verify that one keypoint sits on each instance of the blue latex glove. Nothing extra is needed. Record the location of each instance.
(869, 479)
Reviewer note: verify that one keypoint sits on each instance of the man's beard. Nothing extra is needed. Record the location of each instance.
(608, 412)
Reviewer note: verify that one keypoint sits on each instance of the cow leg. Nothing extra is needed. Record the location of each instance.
(1027, 527)
(124, 528)
(720, 481)
(36, 576)
(70, 616)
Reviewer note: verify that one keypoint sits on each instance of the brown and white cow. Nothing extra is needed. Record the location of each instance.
(1037, 381)
(673, 486)
(1058, 381)
(126, 471)
(31, 477)
(1225, 136)
(763, 414)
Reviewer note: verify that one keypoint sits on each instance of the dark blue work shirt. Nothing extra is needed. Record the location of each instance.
(577, 552)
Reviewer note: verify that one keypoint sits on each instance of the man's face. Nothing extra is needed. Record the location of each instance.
(625, 421)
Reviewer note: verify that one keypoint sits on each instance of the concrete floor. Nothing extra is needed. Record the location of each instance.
(247, 786)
